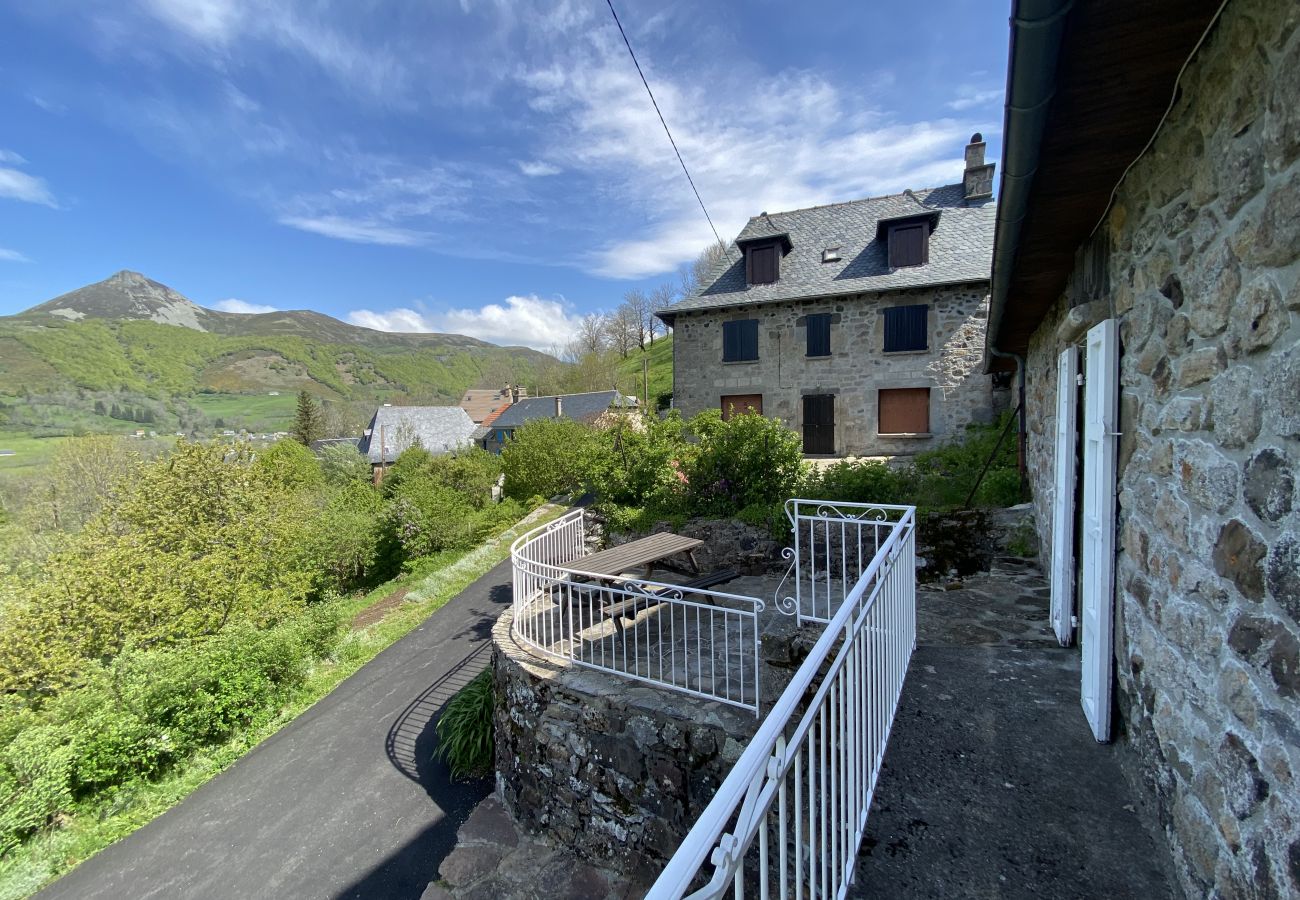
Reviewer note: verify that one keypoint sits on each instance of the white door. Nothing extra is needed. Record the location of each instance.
(1067, 371)
(1100, 405)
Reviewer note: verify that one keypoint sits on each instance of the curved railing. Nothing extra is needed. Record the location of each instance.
(699, 642)
(788, 819)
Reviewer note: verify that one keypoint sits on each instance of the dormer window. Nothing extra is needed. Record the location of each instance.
(909, 245)
(763, 257)
(907, 239)
(762, 264)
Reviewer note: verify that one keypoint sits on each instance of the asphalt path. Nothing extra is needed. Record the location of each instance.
(345, 801)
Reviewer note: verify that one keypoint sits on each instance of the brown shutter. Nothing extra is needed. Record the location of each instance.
(761, 263)
(907, 245)
(739, 404)
(905, 411)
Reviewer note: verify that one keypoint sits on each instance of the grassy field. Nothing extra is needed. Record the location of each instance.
(30, 453)
(96, 825)
(258, 412)
(660, 357)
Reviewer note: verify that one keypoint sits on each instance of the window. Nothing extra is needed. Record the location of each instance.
(762, 264)
(905, 328)
(739, 404)
(909, 245)
(905, 411)
(740, 340)
(831, 254)
(819, 334)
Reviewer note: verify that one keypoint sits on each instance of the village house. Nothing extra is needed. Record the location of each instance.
(1146, 280)
(485, 403)
(588, 407)
(393, 429)
(860, 324)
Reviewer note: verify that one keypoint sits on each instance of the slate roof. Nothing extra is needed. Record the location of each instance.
(961, 250)
(439, 429)
(579, 407)
(482, 402)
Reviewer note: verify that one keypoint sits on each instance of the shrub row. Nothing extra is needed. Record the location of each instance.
(145, 710)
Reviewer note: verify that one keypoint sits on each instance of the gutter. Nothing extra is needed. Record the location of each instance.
(1037, 27)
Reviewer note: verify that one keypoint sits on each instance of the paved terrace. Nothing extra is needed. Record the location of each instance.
(992, 784)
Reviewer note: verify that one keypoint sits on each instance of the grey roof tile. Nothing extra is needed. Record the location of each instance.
(580, 407)
(961, 249)
(439, 429)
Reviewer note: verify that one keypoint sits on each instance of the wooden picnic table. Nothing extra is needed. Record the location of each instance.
(643, 552)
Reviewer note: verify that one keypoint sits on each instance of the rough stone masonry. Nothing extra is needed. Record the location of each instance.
(1202, 257)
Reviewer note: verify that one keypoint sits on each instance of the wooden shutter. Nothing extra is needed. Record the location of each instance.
(740, 340)
(1067, 368)
(739, 404)
(1100, 428)
(908, 245)
(905, 411)
(819, 334)
(819, 423)
(906, 328)
(762, 264)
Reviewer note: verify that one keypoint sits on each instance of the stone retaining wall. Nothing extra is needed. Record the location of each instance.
(1201, 258)
(613, 770)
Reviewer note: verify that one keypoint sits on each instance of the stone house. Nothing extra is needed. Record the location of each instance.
(587, 407)
(393, 429)
(1146, 280)
(859, 323)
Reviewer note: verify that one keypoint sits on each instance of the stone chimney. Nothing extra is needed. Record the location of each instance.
(559, 407)
(978, 180)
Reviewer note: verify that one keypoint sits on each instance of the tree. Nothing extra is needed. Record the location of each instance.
(695, 276)
(308, 425)
(593, 334)
(623, 329)
(639, 315)
(660, 298)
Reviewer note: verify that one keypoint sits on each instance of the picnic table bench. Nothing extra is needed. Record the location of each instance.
(642, 553)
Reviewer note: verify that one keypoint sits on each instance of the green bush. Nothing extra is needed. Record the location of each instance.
(146, 711)
(289, 464)
(948, 473)
(346, 538)
(867, 481)
(465, 729)
(343, 465)
(547, 457)
(637, 461)
(747, 460)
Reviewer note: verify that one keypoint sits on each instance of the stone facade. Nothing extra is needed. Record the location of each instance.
(856, 370)
(610, 769)
(1201, 256)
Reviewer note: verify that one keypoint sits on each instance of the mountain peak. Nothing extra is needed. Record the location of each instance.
(126, 295)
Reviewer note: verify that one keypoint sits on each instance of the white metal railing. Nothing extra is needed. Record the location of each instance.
(791, 814)
(699, 642)
(834, 542)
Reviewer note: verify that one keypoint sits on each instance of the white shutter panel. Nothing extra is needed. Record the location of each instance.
(1067, 370)
(1100, 402)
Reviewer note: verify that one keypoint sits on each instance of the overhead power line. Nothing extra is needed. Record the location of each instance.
(667, 131)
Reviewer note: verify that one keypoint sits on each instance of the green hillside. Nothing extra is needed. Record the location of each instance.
(129, 353)
(660, 357)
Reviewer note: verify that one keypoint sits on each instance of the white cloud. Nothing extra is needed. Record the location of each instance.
(20, 186)
(357, 231)
(538, 169)
(530, 321)
(240, 306)
(12, 256)
(969, 97)
(819, 144)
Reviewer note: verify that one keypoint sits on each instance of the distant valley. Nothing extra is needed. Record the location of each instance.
(131, 353)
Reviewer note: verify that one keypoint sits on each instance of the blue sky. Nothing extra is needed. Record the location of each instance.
(493, 168)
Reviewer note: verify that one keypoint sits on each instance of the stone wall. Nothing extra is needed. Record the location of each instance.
(614, 770)
(856, 369)
(1202, 256)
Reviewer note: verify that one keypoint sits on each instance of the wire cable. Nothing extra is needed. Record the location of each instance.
(655, 103)
(1173, 100)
